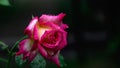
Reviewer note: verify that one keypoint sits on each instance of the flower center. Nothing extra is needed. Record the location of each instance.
(51, 38)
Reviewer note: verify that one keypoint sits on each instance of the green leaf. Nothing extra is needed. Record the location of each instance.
(3, 45)
(19, 60)
(38, 62)
(4, 2)
(62, 62)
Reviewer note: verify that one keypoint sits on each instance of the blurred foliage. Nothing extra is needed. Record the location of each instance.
(38, 62)
(62, 62)
(19, 60)
(4, 2)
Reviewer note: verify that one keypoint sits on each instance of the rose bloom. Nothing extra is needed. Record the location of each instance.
(46, 35)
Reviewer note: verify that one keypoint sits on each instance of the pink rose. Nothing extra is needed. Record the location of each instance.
(48, 37)
(26, 48)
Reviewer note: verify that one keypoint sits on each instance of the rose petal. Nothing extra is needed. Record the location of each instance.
(46, 38)
(49, 25)
(55, 59)
(39, 31)
(35, 33)
(63, 40)
(25, 49)
(24, 46)
(64, 26)
(42, 51)
(30, 27)
(32, 55)
(48, 18)
(56, 19)
(60, 17)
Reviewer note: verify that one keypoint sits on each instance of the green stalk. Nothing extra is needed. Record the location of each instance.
(11, 51)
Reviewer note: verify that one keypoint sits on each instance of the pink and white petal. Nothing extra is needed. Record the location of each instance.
(42, 51)
(60, 17)
(64, 26)
(32, 23)
(21, 44)
(36, 32)
(30, 27)
(24, 47)
(63, 41)
(27, 45)
(21, 47)
(39, 31)
(52, 57)
(55, 59)
(50, 25)
(48, 18)
(60, 40)
(43, 41)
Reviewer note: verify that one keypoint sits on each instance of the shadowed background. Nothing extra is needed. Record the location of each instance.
(93, 33)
